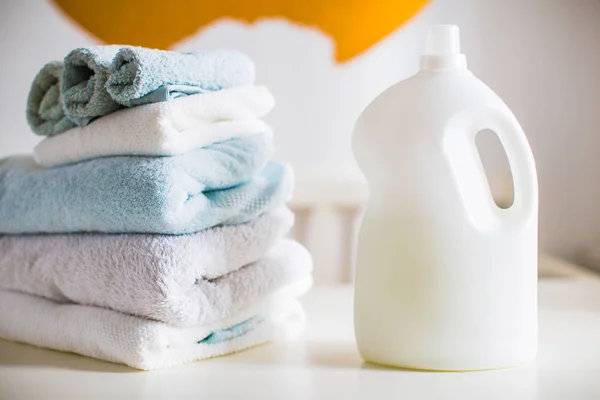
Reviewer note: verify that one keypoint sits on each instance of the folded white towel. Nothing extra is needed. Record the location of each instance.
(140, 343)
(165, 128)
(183, 280)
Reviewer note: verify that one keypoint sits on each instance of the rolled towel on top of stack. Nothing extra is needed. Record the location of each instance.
(83, 86)
(44, 110)
(229, 182)
(141, 76)
(96, 81)
(100, 80)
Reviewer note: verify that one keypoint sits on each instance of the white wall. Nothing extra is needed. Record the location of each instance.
(541, 56)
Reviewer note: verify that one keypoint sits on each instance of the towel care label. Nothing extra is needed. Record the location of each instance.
(445, 279)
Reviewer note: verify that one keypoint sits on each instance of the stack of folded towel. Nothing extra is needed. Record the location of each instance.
(148, 227)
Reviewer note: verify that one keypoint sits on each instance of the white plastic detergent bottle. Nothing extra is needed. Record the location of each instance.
(445, 279)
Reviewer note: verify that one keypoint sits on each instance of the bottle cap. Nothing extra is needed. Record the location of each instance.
(442, 40)
(442, 50)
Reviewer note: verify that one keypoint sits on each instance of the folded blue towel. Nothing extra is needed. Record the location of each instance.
(44, 110)
(225, 183)
(135, 72)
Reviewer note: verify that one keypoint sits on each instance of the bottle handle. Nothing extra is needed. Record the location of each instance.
(462, 154)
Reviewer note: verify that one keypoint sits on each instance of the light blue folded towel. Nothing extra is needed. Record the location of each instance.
(136, 72)
(226, 183)
(44, 109)
(83, 86)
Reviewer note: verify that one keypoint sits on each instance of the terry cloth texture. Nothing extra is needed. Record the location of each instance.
(136, 72)
(162, 129)
(184, 286)
(224, 183)
(140, 343)
(44, 111)
(83, 86)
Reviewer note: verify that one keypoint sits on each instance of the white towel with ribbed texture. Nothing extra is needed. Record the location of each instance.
(184, 280)
(163, 129)
(140, 343)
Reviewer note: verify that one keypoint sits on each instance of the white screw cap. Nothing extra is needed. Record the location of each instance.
(442, 50)
(443, 40)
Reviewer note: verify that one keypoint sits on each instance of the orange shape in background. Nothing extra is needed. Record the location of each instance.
(354, 25)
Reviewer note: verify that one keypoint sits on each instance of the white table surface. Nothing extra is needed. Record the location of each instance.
(324, 363)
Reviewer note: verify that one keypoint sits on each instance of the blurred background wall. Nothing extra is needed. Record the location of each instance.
(541, 56)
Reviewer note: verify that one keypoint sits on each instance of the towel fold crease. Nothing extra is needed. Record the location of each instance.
(163, 129)
(228, 183)
(183, 280)
(140, 343)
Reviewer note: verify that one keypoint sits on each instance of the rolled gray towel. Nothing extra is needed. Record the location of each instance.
(83, 86)
(141, 76)
(44, 109)
(97, 81)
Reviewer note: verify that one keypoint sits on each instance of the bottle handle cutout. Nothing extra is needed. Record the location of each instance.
(465, 162)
